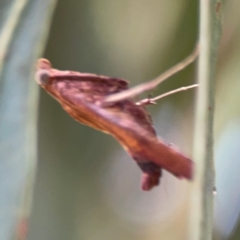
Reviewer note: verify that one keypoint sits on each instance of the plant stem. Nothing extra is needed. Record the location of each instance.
(201, 214)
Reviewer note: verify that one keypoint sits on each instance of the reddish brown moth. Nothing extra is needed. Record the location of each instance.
(82, 96)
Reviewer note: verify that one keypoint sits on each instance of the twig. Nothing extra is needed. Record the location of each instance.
(201, 201)
(152, 84)
(148, 101)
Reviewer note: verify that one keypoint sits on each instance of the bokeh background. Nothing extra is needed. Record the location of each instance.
(87, 187)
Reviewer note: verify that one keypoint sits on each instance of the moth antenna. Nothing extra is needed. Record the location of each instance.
(148, 101)
(132, 92)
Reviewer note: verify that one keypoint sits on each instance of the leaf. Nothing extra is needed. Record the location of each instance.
(23, 34)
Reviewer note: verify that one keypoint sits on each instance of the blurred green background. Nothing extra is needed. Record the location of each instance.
(86, 186)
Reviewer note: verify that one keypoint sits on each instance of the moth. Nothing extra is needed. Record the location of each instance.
(85, 97)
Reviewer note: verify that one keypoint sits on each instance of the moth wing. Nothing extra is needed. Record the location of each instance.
(80, 95)
(139, 141)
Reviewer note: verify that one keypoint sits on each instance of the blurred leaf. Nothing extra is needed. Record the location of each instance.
(23, 33)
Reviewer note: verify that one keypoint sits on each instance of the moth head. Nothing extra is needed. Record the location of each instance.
(43, 71)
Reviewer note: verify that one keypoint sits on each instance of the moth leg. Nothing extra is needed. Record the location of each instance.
(149, 101)
(134, 91)
(151, 175)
